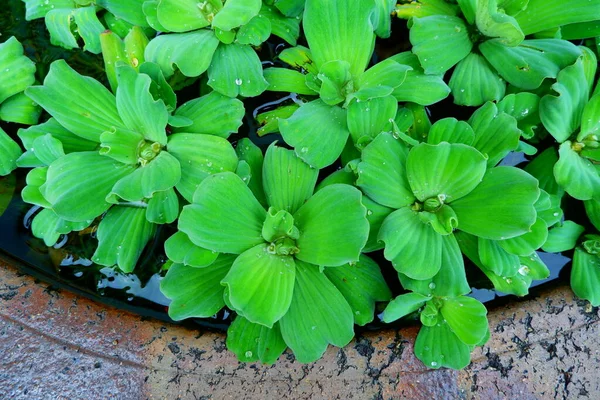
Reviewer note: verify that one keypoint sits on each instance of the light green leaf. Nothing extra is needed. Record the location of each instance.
(405, 235)
(236, 70)
(31, 192)
(437, 346)
(260, 285)
(122, 236)
(493, 22)
(590, 120)
(541, 168)
(501, 206)
(196, 292)
(451, 130)
(191, 52)
(212, 114)
(39, 8)
(318, 315)
(182, 15)
(48, 149)
(585, 276)
(123, 145)
(180, 249)
(89, 28)
(370, 118)
(440, 42)
(541, 15)
(474, 82)
(561, 114)
(252, 155)
(336, 81)
(382, 172)
(592, 209)
(59, 22)
(286, 28)
(163, 207)
(418, 87)
(225, 216)
(362, 284)
(466, 317)
(527, 65)
(49, 226)
(424, 8)
(137, 108)
(162, 173)
(497, 260)
(236, 13)
(287, 80)
(496, 133)
(529, 242)
(334, 214)
(20, 109)
(575, 174)
(340, 30)
(535, 267)
(128, 10)
(445, 171)
(159, 88)
(199, 156)
(9, 153)
(317, 131)
(403, 305)
(299, 57)
(79, 103)
(251, 342)
(78, 183)
(387, 73)
(524, 108)
(17, 70)
(288, 181)
(563, 237)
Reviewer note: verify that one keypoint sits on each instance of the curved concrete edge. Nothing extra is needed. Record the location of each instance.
(57, 345)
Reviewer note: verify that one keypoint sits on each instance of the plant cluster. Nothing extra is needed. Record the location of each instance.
(294, 247)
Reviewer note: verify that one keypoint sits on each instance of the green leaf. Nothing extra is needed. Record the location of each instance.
(563, 237)
(403, 305)
(78, 183)
(529, 242)
(287, 80)
(496, 259)
(437, 346)
(299, 58)
(122, 145)
(317, 131)
(48, 149)
(7, 189)
(527, 65)
(31, 193)
(122, 236)
(496, 133)
(290, 8)
(370, 118)
(501, 206)
(163, 207)
(286, 28)
(180, 249)
(191, 52)
(251, 154)
(424, 8)
(362, 284)
(196, 292)
(17, 70)
(9, 152)
(581, 30)
(49, 226)
(260, 285)
(89, 28)
(225, 216)
(450, 281)
(336, 81)
(318, 315)
(534, 267)
(199, 156)
(38, 8)
(451, 130)
(236, 13)
(474, 82)
(575, 174)
(340, 30)
(495, 23)
(590, 120)
(212, 114)
(59, 24)
(236, 70)
(79, 103)
(182, 15)
(387, 73)
(405, 235)
(440, 42)
(524, 108)
(466, 317)
(541, 168)
(447, 171)
(541, 15)
(128, 10)
(333, 215)
(561, 115)
(585, 276)
(287, 180)
(137, 108)
(382, 172)
(20, 109)
(162, 173)
(159, 88)
(251, 342)
(592, 209)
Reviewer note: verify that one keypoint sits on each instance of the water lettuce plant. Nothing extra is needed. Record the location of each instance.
(376, 170)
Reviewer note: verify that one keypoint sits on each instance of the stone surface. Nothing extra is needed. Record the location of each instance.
(56, 345)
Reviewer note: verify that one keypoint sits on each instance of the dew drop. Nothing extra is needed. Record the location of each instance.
(248, 354)
(432, 285)
(433, 364)
(304, 150)
(238, 82)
